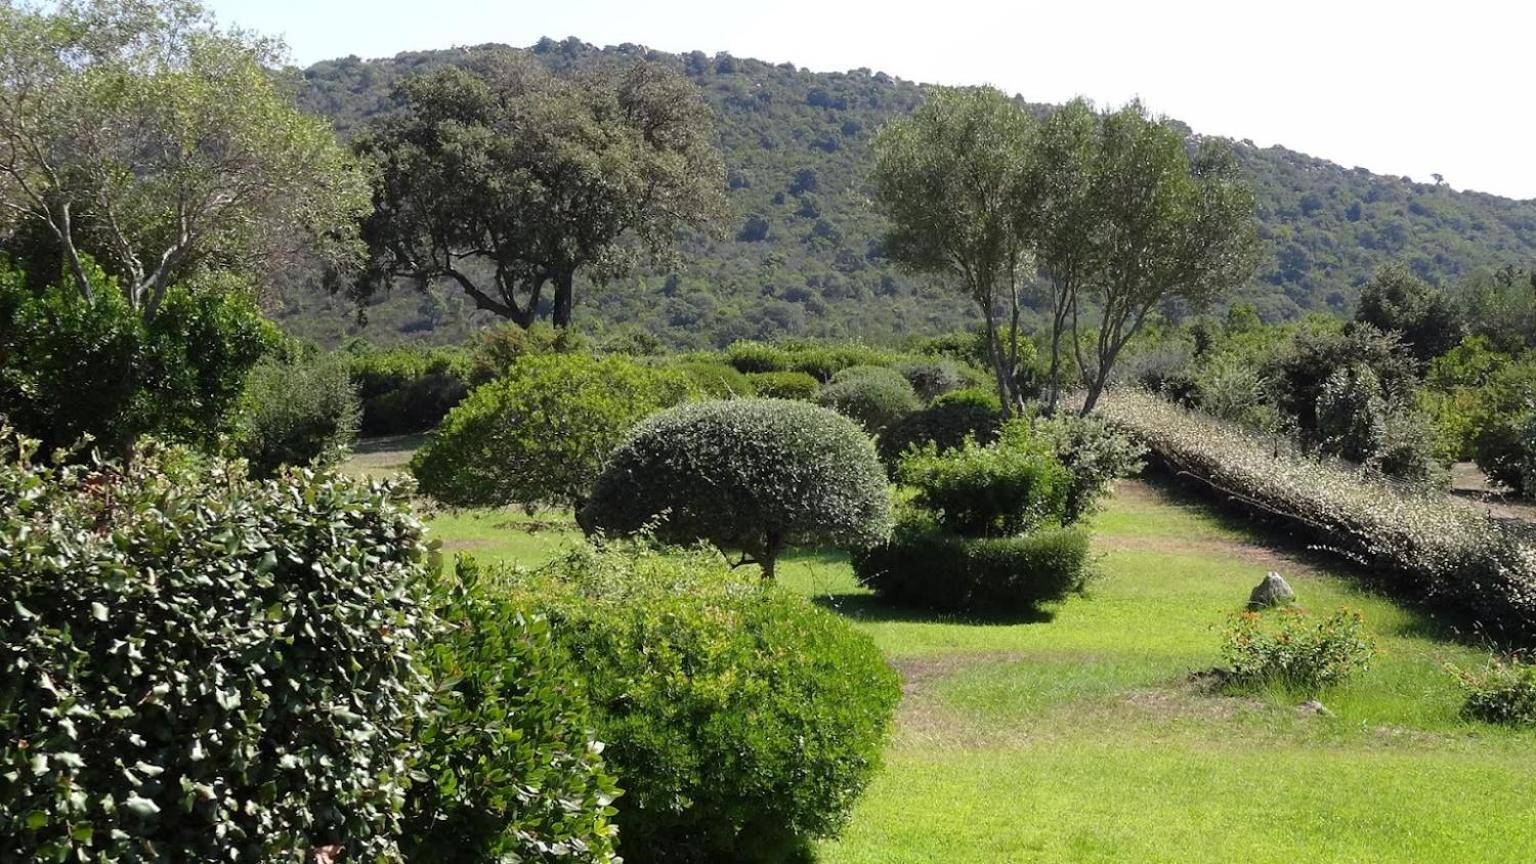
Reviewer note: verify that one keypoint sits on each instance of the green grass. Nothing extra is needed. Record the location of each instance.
(1080, 738)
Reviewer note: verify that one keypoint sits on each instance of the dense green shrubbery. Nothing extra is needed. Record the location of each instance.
(933, 378)
(200, 666)
(996, 490)
(742, 722)
(1094, 452)
(754, 475)
(873, 397)
(70, 368)
(296, 413)
(819, 361)
(930, 569)
(1429, 547)
(1298, 372)
(1289, 647)
(1503, 693)
(494, 351)
(540, 433)
(1397, 301)
(407, 390)
(946, 424)
(784, 385)
(716, 380)
(1500, 423)
(753, 357)
(510, 769)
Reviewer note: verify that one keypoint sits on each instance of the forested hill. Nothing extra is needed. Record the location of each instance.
(800, 254)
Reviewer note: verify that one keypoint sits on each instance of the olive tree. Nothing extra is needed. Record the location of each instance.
(502, 179)
(139, 134)
(949, 180)
(753, 475)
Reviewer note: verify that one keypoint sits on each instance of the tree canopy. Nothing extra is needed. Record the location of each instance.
(502, 179)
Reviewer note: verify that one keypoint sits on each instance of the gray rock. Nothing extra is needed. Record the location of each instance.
(1313, 708)
(1273, 591)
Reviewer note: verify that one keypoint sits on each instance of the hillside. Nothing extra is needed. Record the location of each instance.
(800, 254)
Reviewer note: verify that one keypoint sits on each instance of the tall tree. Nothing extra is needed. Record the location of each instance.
(950, 179)
(1395, 300)
(1168, 228)
(504, 179)
(139, 134)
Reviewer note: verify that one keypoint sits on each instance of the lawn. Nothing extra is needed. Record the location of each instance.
(1079, 737)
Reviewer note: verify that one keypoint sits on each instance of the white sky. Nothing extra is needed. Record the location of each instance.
(1400, 88)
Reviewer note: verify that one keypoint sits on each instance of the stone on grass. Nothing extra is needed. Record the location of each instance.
(1273, 591)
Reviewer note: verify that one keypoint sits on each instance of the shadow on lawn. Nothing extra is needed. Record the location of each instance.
(871, 609)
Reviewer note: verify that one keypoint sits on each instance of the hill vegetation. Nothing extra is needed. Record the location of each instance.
(799, 253)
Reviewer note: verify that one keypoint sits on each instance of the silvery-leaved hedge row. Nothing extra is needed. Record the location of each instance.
(1428, 546)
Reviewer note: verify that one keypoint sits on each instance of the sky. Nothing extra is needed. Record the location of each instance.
(1401, 88)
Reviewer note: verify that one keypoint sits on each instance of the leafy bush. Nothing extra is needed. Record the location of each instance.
(1423, 545)
(1290, 647)
(1298, 372)
(540, 434)
(824, 361)
(874, 401)
(407, 389)
(510, 770)
(946, 424)
(1230, 386)
(925, 567)
(201, 666)
(756, 357)
(1395, 300)
(993, 490)
(497, 349)
(1094, 452)
(1499, 422)
(716, 380)
(1503, 693)
(742, 722)
(933, 378)
(748, 474)
(70, 368)
(296, 413)
(784, 385)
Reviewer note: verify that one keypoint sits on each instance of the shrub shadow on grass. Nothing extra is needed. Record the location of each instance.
(871, 609)
(391, 443)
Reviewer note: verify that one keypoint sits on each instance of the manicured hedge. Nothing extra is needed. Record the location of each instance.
(784, 385)
(926, 568)
(743, 722)
(946, 424)
(1423, 545)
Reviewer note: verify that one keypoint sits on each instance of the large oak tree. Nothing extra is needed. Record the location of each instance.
(505, 180)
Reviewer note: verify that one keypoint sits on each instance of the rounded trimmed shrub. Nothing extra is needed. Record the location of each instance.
(946, 424)
(298, 413)
(933, 378)
(539, 435)
(873, 397)
(743, 722)
(748, 474)
(715, 380)
(784, 385)
(749, 356)
(925, 567)
(824, 361)
(201, 666)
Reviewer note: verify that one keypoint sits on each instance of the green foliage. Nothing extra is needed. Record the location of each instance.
(1290, 647)
(754, 357)
(1299, 370)
(748, 474)
(946, 425)
(1230, 386)
(996, 490)
(1500, 421)
(533, 177)
(873, 400)
(1094, 451)
(71, 367)
(540, 434)
(296, 413)
(928, 568)
(1500, 307)
(407, 390)
(201, 666)
(715, 380)
(511, 770)
(824, 361)
(1504, 692)
(1397, 301)
(743, 722)
(495, 350)
(784, 385)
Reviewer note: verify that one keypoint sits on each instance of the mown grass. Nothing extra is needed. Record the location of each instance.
(1080, 737)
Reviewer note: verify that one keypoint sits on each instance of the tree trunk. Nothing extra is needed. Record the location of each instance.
(563, 299)
(995, 354)
(769, 558)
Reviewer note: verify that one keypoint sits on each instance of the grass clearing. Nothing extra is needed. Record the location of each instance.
(1079, 737)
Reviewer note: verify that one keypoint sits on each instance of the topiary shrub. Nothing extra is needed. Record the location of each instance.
(748, 356)
(873, 398)
(994, 490)
(539, 435)
(933, 378)
(743, 722)
(296, 413)
(199, 666)
(784, 385)
(716, 380)
(511, 769)
(946, 424)
(928, 568)
(748, 474)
